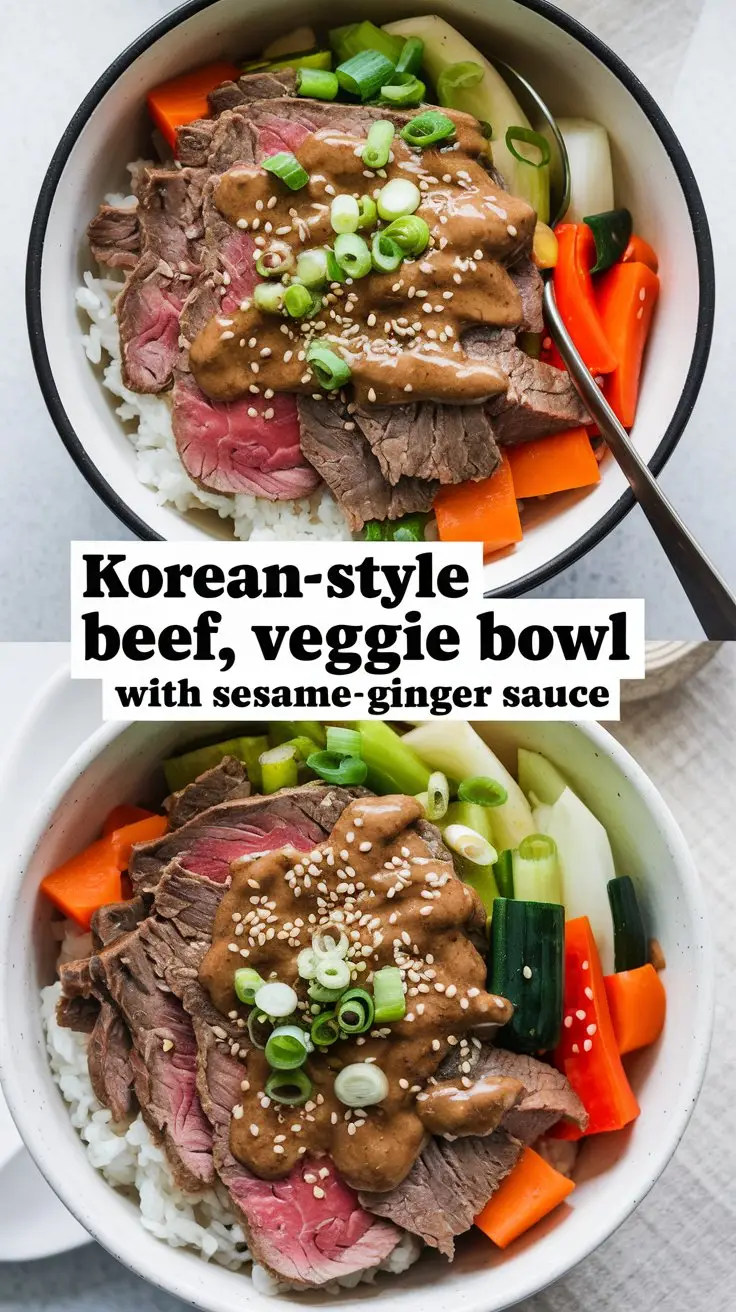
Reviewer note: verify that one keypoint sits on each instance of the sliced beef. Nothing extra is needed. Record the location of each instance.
(447, 1187)
(343, 458)
(225, 781)
(549, 1095)
(540, 399)
(252, 86)
(208, 844)
(529, 284)
(450, 443)
(78, 1013)
(193, 142)
(109, 1062)
(108, 923)
(114, 237)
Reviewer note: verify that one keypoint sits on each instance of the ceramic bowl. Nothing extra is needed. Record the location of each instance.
(574, 71)
(616, 1171)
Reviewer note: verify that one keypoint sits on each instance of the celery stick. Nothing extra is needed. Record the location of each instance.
(455, 748)
(539, 779)
(586, 865)
(392, 765)
(281, 731)
(536, 870)
(470, 814)
(183, 770)
(279, 768)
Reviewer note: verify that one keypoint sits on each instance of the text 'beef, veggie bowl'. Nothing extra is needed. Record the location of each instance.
(331, 315)
(333, 1006)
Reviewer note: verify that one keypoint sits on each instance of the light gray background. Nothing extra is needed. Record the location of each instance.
(52, 51)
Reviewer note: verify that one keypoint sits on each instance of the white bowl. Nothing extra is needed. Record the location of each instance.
(616, 1170)
(573, 70)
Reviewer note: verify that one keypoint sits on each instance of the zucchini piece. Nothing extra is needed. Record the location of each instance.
(527, 967)
(630, 948)
(611, 234)
(183, 770)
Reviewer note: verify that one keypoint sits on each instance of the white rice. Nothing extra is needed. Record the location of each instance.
(127, 1157)
(149, 429)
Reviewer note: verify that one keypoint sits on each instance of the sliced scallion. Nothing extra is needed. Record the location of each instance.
(533, 173)
(333, 972)
(398, 197)
(279, 764)
(342, 741)
(291, 1088)
(317, 83)
(330, 944)
(469, 844)
(482, 791)
(503, 871)
(536, 866)
(377, 148)
(410, 232)
(276, 260)
(403, 90)
(386, 254)
(367, 213)
(346, 770)
(311, 267)
(355, 1011)
(306, 963)
(287, 169)
(353, 254)
(334, 272)
(331, 372)
(428, 129)
(529, 138)
(389, 1001)
(277, 1000)
(344, 214)
(438, 795)
(366, 36)
(269, 296)
(246, 983)
(318, 993)
(298, 301)
(287, 1047)
(325, 1029)
(364, 74)
(412, 54)
(457, 77)
(360, 1085)
(259, 1028)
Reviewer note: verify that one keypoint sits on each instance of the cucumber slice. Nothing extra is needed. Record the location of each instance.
(527, 967)
(630, 947)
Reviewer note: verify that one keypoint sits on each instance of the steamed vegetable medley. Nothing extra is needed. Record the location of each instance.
(391, 942)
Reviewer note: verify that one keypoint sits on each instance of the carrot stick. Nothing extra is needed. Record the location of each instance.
(639, 251)
(85, 882)
(185, 98)
(637, 1003)
(124, 814)
(528, 1193)
(480, 512)
(626, 296)
(576, 297)
(553, 464)
(123, 840)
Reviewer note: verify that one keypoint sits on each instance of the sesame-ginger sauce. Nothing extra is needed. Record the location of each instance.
(399, 332)
(377, 879)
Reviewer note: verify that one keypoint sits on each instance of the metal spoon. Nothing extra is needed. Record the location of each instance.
(710, 597)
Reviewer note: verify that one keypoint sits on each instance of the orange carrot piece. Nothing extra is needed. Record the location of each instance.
(531, 1191)
(553, 464)
(637, 1003)
(125, 814)
(480, 512)
(626, 296)
(185, 98)
(639, 251)
(576, 299)
(85, 882)
(122, 840)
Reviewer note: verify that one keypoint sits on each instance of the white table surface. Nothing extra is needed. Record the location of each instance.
(677, 1253)
(44, 501)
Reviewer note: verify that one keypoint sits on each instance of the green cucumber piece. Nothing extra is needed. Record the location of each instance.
(611, 234)
(630, 949)
(527, 967)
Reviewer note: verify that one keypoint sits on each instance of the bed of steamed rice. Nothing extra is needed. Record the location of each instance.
(148, 426)
(127, 1157)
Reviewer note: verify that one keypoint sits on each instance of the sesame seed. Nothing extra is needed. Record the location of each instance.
(371, 393)
(511, 230)
(591, 1029)
(580, 1014)
(254, 1130)
(527, 972)
(576, 1047)
(587, 1045)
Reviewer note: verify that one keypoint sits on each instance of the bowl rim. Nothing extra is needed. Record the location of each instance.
(600, 740)
(667, 136)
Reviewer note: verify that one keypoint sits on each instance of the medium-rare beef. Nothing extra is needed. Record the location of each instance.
(343, 458)
(549, 1095)
(252, 86)
(451, 443)
(109, 1062)
(226, 780)
(540, 399)
(114, 236)
(447, 1187)
(209, 843)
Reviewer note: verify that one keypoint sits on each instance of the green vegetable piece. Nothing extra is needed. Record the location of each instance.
(527, 967)
(346, 770)
(410, 232)
(389, 1001)
(403, 90)
(325, 1029)
(482, 791)
(386, 254)
(367, 213)
(329, 368)
(317, 83)
(183, 770)
(287, 1048)
(269, 297)
(630, 948)
(537, 876)
(343, 741)
(356, 37)
(532, 168)
(300, 59)
(246, 983)
(611, 234)
(279, 768)
(427, 129)
(287, 169)
(298, 301)
(364, 74)
(377, 148)
(455, 78)
(480, 877)
(353, 254)
(339, 39)
(392, 766)
(281, 731)
(292, 1088)
(504, 873)
(411, 56)
(355, 1011)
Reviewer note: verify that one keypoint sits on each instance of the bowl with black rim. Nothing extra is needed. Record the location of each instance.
(573, 71)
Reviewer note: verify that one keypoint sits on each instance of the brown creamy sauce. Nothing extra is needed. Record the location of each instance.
(376, 878)
(399, 332)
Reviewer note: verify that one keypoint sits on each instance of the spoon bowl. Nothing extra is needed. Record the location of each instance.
(543, 121)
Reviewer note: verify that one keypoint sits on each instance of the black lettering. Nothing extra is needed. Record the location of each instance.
(131, 697)
(101, 641)
(204, 631)
(511, 696)
(340, 638)
(209, 581)
(174, 643)
(452, 581)
(270, 647)
(174, 575)
(443, 643)
(291, 578)
(535, 642)
(583, 641)
(618, 637)
(145, 581)
(380, 638)
(340, 581)
(221, 697)
(135, 641)
(398, 578)
(599, 696)
(413, 637)
(98, 576)
(497, 641)
(243, 582)
(304, 637)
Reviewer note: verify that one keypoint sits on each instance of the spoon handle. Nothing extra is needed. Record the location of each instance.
(711, 599)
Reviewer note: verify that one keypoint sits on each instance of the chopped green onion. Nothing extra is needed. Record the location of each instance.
(280, 731)
(325, 1029)
(334, 272)
(331, 372)
(360, 1085)
(427, 129)
(469, 844)
(292, 1088)
(377, 148)
(611, 234)
(346, 770)
(298, 301)
(279, 765)
(533, 174)
(287, 1047)
(537, 876)
(342, 741)
(457, 77)
(410, 232)
(355, 1012)
(325, 944)
(366, 36)
(389, 1001)
(246, 983)
(404, 89)
(276, 1000)
(340, 39)
(276, 260)
(385, 253)
(311, 267)
(364, 74)
(367, 212)
(398, 197)
(438, 795)
(486, 128)
(303, 748)
(504, 873)
(530, 138)
(306, 963)
(353, 254)
(410, 59)
(318, 993)
(316, 83)
(286, 168)
(269, 296)
(344, 213)
(259, 1028)
(333, 972)
(482, 791)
